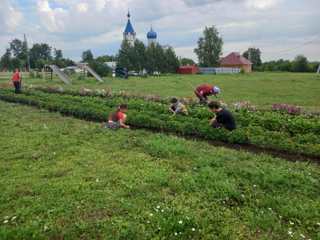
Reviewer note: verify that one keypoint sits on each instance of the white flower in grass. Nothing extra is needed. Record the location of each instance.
(158, 207)
(151, 214)
(291, 223)
(97, 180)
(270, 209)
(193, 229)
(303, 236)
(5, 221)
(180, 222)
(254, 186)
(162, 210)
(290, 232)
(318, 223)
(13, 218)
(175, 234)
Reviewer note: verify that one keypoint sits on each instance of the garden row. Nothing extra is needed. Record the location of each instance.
(151, 115)
(269, 120)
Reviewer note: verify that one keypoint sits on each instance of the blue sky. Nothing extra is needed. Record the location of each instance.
(280, 28)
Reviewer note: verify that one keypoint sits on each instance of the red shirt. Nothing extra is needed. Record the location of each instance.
(117, 116)
(16, 77)
(205, 90)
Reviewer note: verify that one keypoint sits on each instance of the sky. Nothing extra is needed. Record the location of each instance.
(280, 28)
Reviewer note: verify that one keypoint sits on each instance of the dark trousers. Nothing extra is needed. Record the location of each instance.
(17, 86)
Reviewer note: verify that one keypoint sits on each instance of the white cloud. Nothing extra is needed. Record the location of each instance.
(10, 17)
(82, 7)
(262, 4)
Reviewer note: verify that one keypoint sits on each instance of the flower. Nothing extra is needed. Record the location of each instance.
(158, 207)
(193, 229)
(6, 221)
(151, 214)
(303, 236)
(291, 223)
(175, 234)
(180, 222)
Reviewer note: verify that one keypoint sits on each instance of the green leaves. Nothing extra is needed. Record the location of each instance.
(295, 134)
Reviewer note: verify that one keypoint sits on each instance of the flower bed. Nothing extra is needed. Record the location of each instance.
(299, 136)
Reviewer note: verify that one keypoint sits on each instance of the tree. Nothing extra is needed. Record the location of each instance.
(58, 54)
(300, 64)
(87, 56)
(40, 54)
(186, 61)
(5, 61)
(171, 60)
(124, 55)
(209, 47)
(20, 52)
(254, 55)
(138, 56)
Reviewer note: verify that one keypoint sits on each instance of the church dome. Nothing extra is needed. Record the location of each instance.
(152, 34)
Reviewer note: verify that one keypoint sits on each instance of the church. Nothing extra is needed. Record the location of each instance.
(130, 35)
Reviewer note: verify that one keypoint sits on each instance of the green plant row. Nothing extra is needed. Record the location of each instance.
(271, 121)
(94, 109)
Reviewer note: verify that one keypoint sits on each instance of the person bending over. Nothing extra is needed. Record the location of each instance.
(177, 107)
(118, 119)
(223, 118)
(205, 90)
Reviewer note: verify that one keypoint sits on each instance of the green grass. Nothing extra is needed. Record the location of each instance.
(262, 89)
(62, 177)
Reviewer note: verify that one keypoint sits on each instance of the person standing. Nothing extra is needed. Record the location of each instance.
(223, 118)
(16, 80)
(205, 90)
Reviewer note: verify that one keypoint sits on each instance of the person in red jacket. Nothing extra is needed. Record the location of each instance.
(205, 90)
(118, 119)
(16, 80)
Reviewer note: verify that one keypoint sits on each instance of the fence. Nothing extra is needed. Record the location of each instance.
(222, 70)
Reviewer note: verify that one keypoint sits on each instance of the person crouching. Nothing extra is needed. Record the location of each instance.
(223, 118)
(177, 107)
(118, 119)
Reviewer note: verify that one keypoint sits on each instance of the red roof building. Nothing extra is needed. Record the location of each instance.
(235, 60)
(188, 69)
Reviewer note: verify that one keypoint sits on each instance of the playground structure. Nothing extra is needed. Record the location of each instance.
(86, 68)
(56, 70)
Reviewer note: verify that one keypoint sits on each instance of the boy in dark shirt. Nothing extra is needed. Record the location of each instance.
(224, 118)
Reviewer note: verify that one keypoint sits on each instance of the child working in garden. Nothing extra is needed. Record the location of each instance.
(118, 119)
(177, 107)
(223, 119)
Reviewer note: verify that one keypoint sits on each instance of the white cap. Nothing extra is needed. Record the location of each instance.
(216, 90)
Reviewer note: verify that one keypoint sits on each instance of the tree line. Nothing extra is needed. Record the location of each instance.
(17, 55)
(153, 58)
(138, 57)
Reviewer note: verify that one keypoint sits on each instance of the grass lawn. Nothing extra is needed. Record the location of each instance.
(70, 179)
(262, 89)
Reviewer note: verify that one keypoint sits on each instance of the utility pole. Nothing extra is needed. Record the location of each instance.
(28, 56)
(318, 72)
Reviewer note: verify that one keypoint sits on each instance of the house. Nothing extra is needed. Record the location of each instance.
(193, 69)
(235, 60)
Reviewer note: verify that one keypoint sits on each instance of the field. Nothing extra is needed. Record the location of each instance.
(261, 89)
(63, 176)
